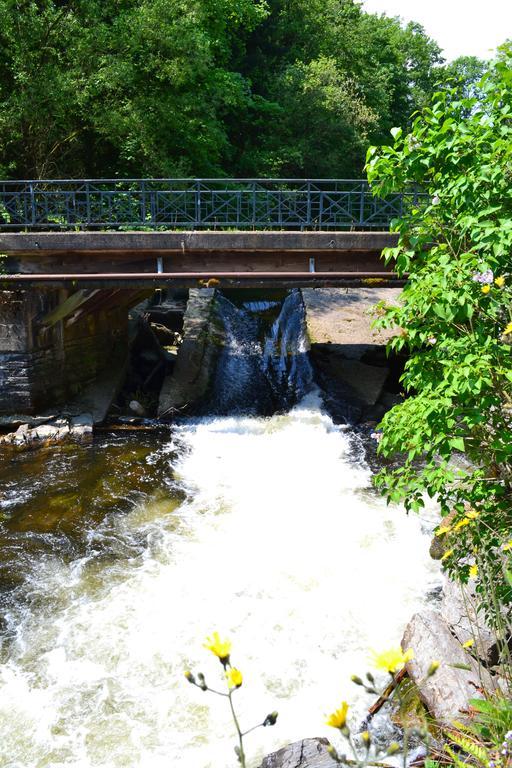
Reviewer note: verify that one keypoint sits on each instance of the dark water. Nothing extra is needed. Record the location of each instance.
(63, 500)
(264, 366)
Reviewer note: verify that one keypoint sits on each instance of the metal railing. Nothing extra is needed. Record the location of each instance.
(293, 204)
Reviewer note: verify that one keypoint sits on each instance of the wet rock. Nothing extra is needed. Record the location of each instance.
(447, 693)
(52, 432)
(353, 386)
(309, 753)
(20, 436)
(81, 427)
(137, 408)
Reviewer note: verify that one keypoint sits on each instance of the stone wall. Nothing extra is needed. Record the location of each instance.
(42, 367)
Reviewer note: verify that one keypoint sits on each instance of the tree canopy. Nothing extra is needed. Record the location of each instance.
(203, 87)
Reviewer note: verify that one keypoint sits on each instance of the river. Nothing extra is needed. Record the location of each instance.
(120, 557)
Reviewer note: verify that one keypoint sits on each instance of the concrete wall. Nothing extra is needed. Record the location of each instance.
(43, 367)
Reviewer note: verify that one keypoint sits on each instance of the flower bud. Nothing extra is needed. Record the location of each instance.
(357, 680)
(333, 753)
(190, 677)
(393, 748)
(366, 739)
(434, 666)
(202, 681)
(270, 719)
(370, 678)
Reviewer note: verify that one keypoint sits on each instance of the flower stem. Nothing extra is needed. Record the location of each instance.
(241, 755)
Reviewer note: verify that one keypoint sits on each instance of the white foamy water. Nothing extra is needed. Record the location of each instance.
(281, 546)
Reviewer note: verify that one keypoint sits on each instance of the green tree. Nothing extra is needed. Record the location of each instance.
(453, 433)
(335, 78)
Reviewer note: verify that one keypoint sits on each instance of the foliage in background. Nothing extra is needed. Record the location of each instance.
(203, 87)
(454, 431)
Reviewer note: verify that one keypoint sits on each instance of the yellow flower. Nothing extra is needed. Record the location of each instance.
(221, 648)
(508, 330)
(234, 678)
(392, 660)
(486, 288)
(338, 719)
(508, 546)
(461, 524)
(447, 554)
(472, 514)
(468, 644)
(500, 281)
(443, 529)
(473, 571)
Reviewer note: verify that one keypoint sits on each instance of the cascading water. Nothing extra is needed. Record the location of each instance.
(263, 528)
(261, 369)
(286, 362)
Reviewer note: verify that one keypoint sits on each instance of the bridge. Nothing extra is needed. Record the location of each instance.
(146, 232)
(79, 253)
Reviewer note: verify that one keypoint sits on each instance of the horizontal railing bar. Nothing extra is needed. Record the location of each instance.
(184, 178)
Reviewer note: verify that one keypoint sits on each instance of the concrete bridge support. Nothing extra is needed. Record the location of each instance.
(49, 351)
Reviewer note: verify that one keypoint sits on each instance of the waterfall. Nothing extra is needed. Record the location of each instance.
(261, 369)
(285, 355)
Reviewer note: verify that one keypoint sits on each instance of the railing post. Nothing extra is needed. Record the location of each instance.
(88, 203)
(361, 204)
(308, 214)
(143, 202)
(32, 205)
(197, 222)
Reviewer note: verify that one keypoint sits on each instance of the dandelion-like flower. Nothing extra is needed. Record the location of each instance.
(473, 571)
(486, 289)
(392, 660)
(447, 554)
(442, 530)
(338, 719)
(220, 648)
(508, 330)
(508, 546)
(234, 678)
(461, 524)
(468, 644)
(500, 281)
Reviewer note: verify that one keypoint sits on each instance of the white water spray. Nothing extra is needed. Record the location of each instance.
(281, 545)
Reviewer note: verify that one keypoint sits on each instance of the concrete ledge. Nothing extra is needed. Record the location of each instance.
(51, 242)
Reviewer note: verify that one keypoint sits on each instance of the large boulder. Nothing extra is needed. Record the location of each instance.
(459, 610)
(447, 693)
(308, 753)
